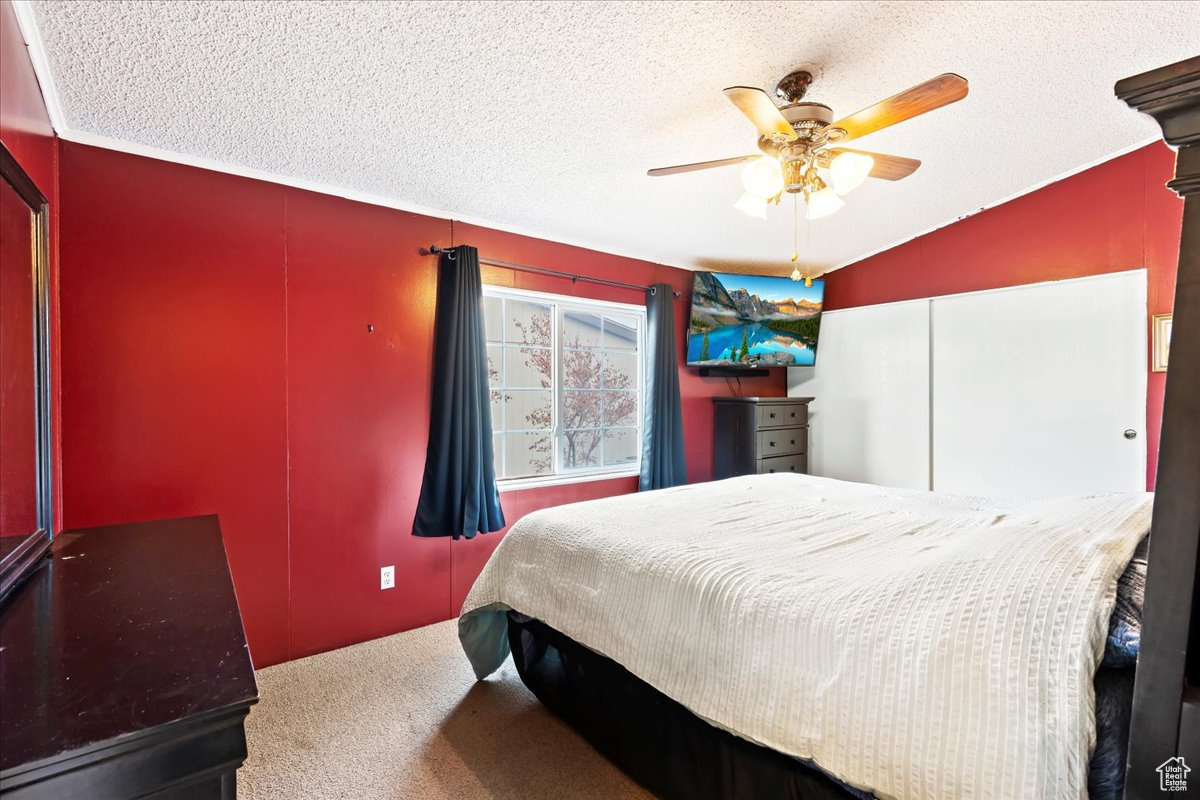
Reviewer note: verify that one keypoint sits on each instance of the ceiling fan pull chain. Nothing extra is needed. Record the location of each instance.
(795, 238)
(795, 228)
(808, 271)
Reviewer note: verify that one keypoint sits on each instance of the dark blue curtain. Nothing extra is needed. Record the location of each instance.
(458, 492)
(662, 437)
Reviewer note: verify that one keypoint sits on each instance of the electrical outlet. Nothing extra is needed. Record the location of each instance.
(387, 577)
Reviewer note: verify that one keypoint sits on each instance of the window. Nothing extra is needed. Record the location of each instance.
(565, 376)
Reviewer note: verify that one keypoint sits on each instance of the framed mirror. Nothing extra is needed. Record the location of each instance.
(26, 511)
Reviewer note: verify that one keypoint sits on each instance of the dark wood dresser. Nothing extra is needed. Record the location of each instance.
(124, 670)
(757, 435)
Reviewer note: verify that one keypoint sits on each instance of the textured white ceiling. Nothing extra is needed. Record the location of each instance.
(543, 117)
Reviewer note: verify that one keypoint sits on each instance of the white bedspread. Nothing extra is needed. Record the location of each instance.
(911, 643)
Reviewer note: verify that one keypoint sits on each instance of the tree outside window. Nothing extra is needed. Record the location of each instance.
(597, 361)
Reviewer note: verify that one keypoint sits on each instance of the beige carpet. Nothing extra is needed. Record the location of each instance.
(403, 717)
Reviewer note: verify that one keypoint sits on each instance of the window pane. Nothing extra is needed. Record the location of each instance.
(493, 318)
(582, 409)
(580, 449)
(620, 408)
(526, 323)
(496, 396)
(495, 357)
(581, 369)
(527, 367)
(621, 371)
(620, 332)
(598, 369)
(527, 408)
(580, 329)
(526, 454)
(621, 446)
(498, 454)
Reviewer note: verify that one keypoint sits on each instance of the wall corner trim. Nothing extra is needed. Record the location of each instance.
(27, 23)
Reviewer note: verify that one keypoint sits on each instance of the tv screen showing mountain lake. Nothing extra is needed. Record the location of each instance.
(753, 321)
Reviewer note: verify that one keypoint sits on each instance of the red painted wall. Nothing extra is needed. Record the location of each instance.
(1116, 216)
(216, 358)
(173, 357)
(358, 413)
(26, 131)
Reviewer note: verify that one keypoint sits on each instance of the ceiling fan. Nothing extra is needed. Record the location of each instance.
(797, 143)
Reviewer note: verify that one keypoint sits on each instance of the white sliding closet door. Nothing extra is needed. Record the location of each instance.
(1035, 386)
(870, 419)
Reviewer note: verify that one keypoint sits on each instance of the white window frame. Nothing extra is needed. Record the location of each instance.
(570, 302)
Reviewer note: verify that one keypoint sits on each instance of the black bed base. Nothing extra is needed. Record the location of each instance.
(655, 740)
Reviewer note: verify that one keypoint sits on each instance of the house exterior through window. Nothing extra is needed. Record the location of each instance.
(566, 382)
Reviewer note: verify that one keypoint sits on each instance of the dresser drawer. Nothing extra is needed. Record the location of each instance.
(797, 463)
(782, 415)
(782, 442)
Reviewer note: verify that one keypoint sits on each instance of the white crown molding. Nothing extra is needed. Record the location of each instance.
(41, 65)
(41, 68)
(28, 26)
(146, 151)
(1030, 190)
(159, 154)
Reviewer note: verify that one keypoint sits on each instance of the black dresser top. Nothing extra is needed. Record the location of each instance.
(126, 628)
(763, 400)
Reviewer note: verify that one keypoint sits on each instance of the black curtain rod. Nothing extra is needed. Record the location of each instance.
(436, 250)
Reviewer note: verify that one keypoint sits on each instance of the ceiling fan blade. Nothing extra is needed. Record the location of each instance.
(724, 162)
(889, 168)
(765, 115)
(941, 91)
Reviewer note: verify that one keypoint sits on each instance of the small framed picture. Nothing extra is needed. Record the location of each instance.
(1160, 348)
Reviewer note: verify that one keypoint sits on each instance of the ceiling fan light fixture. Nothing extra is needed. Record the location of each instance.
(848, 171)
(795, 142)
(752, 206)
(763, 177)
(823, 203)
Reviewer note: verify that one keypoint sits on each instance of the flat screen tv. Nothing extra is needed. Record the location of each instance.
(753, 321)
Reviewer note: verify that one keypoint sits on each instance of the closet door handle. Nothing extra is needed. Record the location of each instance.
(1130, 433)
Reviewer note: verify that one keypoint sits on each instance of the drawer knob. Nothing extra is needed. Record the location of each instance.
(772, 415)
(770, 444)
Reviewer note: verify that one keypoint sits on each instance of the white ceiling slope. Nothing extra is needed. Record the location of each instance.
(544, 117)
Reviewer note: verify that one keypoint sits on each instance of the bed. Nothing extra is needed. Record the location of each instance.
(786, 635)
